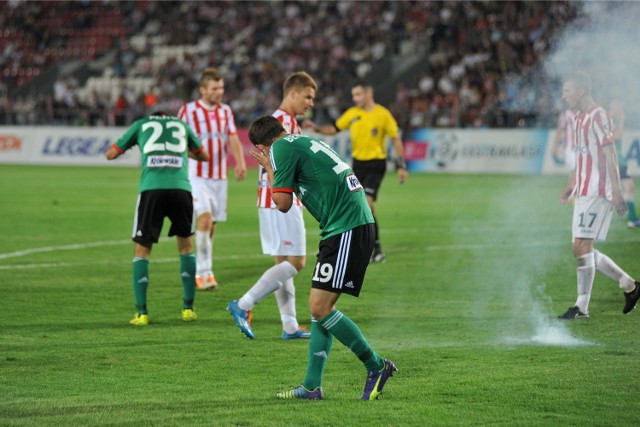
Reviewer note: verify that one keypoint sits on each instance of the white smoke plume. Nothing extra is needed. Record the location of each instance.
(603, 40)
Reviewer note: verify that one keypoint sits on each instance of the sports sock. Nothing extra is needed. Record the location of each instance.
(271, 280)
(320, 344)
(631, 210)
(188, 276)
(585, 273)
(348, 333)
(286, 297)
(204, 248)
(606, 266)
(376, 241)
(140, 283)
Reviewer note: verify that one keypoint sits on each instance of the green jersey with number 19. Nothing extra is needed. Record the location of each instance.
(164, 142)
(322, 180)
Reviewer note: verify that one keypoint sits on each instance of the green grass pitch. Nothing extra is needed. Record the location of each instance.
(477, 269)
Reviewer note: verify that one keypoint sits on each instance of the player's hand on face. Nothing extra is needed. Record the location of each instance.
(262, 156)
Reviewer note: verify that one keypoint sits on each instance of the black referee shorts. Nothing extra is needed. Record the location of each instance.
(370, 174)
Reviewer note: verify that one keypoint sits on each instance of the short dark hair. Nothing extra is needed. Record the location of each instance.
(365, 84)
(298, 80)
(264, 130)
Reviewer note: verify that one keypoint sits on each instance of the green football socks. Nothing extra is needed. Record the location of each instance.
(140, 283)
(320, 343)
(188, 276)
(348, 333)
(631, 210)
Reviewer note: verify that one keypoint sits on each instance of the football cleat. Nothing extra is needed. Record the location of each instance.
(376, 381)
(300, 333)
(300, 392)
(189, 314)
(574, 313)
(631, 299)
(634, 224)
(206, 284)
(140, 320)
(241, 318)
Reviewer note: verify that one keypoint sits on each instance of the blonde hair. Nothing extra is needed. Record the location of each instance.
(209, 74)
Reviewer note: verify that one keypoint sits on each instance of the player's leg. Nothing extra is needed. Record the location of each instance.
(140, 283)
(286, 298)
(202, 206)
(181, 217)
(291, 247)
(628, 190)
(370, 174)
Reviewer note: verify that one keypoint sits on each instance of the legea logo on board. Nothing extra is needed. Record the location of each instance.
(76, 146)
(10, 143)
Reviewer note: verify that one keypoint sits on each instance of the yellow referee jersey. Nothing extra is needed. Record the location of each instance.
(369, 131)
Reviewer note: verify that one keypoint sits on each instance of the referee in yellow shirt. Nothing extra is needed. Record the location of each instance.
(370, 124)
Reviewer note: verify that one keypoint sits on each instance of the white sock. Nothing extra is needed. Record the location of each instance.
(271, 280)
(204, 247)
(606, 266)
(586, 272)
(286, 297)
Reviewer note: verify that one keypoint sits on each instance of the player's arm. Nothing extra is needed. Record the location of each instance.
(282, 199)
(618, 202)
(125, 142)
(238, 155)
(199, 154)
(401, 164)
(326, 129)
(113, 152)
(567, 192)
(557, 138)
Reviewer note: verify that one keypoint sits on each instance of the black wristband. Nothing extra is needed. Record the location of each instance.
(401, 164)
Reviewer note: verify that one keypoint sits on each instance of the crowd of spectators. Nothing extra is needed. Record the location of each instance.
(480, 69)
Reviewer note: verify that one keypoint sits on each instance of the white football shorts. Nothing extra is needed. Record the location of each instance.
(282, 234)
(591, 218)
(210, 195)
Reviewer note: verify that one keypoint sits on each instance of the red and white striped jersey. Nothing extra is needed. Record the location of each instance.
(566, 125)
(290, 125)
(594, 130)
(212, 125)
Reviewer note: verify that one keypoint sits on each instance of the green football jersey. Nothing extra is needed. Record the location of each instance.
(322, 180)
(164, 142)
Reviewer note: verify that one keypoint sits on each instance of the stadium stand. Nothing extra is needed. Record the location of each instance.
(436, 64)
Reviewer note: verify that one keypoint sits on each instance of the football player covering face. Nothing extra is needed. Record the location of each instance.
(212, 92)
(302, 100)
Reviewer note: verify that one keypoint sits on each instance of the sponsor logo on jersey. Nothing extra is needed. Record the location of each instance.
(164, 161)
(349, 285)
(353, 183)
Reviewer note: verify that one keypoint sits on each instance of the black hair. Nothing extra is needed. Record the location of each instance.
(264, 130)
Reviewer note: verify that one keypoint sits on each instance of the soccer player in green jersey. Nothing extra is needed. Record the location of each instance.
(331, 192)
(165, 191)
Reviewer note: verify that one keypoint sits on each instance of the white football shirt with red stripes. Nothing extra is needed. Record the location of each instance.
(290, 125)
(212, 125)
(594, 131)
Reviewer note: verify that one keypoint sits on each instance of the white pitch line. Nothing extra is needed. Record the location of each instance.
(153, 261)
